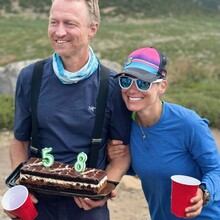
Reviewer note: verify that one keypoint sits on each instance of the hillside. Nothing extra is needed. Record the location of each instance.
(187, 31)
(209, 3)
(148, 8)
(140, 8)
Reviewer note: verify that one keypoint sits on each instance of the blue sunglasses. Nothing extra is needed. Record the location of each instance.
(125, 82)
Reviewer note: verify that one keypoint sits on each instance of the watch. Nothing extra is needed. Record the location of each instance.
(206, 194)
(113, 182)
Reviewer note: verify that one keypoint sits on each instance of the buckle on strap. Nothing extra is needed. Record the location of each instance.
(96, 142)
(34, 151)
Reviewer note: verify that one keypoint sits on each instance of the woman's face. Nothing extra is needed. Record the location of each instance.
(137, 100)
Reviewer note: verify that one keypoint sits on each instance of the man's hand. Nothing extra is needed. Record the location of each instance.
(12, 216)
(88, 204)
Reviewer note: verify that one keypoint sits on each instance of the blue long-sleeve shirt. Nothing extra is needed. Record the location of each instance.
(179, 143)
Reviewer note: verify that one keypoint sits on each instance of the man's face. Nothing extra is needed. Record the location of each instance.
(70, 29)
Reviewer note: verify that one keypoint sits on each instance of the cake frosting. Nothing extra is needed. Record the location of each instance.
(62, 177)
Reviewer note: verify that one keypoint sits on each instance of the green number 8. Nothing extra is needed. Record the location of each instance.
(80, 164)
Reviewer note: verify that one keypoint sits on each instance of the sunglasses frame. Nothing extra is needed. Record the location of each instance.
(135, 80)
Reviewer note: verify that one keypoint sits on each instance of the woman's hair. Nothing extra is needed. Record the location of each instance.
(93, 9)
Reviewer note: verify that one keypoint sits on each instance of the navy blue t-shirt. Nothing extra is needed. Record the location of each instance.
(66, 114)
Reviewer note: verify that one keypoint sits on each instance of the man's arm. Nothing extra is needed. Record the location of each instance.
(18, 152)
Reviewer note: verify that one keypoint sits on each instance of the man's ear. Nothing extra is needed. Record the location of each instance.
(93, 30)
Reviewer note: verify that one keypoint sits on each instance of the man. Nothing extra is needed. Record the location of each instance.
(66, 108)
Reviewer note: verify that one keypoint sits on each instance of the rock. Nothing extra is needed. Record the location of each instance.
(111, 64)
(9, 74)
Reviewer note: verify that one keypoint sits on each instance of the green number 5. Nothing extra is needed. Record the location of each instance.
(47, 159)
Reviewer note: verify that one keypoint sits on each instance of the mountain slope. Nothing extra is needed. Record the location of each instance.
(131, 8)
(158, 7)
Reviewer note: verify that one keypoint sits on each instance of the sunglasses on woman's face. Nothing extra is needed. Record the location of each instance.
(125, 82)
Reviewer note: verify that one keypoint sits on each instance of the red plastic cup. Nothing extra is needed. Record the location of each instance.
(17, 201)
(183, 189)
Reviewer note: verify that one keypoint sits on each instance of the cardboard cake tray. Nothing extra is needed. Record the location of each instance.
(13, 179)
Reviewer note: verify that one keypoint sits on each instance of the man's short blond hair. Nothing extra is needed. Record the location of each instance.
(93, 9)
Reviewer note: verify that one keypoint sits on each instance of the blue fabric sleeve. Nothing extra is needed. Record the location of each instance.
(204, 150)
(22, 117)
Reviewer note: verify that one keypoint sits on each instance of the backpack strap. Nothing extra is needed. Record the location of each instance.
(35, 90)
(100, 113)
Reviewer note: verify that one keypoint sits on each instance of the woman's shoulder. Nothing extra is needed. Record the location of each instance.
(180, 111)
(186, 115)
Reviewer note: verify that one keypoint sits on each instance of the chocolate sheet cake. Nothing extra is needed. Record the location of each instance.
(62, 177)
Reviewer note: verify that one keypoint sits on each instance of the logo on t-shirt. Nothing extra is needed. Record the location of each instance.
(92, 108)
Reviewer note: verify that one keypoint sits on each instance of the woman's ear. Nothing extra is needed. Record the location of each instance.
(163, 87)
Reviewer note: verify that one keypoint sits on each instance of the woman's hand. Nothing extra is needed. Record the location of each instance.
(196, 208)
(88, 204)
(116, 149)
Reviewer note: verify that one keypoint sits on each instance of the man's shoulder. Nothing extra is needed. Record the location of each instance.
(107, 70)
(113, 82)
(27, 72)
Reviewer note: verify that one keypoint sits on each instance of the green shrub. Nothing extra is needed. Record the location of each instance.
(205, 106)
(7, 111)
(200, 95)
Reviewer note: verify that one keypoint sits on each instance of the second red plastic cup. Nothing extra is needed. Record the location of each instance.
(17, 201)
(183, 189)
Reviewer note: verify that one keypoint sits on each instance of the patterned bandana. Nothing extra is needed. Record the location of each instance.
(67, 77)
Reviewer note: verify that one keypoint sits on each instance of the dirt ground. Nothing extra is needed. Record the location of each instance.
(129, 204)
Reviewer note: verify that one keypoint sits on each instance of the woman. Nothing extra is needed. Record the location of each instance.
(166, 139)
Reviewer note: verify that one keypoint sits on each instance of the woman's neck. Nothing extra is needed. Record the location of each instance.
(151, 116)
